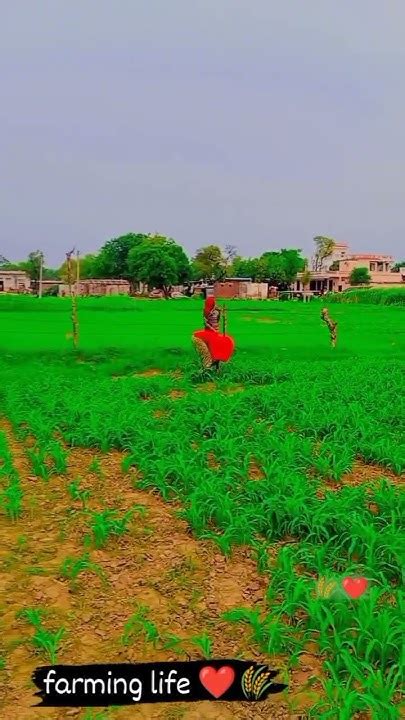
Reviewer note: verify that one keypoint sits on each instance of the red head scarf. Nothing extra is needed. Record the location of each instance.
(209, 305)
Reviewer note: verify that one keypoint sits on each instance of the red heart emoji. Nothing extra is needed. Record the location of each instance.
(355, 586)
(217, 682)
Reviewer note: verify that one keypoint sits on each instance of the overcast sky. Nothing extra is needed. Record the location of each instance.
(259, 123)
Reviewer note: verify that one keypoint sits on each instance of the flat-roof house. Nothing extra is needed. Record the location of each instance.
(14, 281)
(338, 279)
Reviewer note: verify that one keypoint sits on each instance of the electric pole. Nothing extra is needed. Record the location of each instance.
(41, 264)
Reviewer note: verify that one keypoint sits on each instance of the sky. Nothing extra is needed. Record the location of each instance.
(254, 123)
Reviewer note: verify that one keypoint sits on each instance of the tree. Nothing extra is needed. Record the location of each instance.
(230, 254)
(113, 256)
(293, 263)
(35, 261)
(209, 263)
(87, 267)
(176, 252)
(324, 248)
(360, 276)
(151, 264)
(275, 270)
(398, 266)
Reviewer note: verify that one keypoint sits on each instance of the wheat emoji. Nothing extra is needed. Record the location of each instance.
(325, 587)
(247, 682)
(261, 685)
(260, 678)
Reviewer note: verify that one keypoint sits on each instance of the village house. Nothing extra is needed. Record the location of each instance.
(340, 265)
(243, 288)
(14, 281)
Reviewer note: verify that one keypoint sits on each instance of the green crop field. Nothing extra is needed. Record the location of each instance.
(150, 513)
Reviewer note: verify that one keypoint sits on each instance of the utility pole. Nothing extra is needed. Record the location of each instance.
(41, 264)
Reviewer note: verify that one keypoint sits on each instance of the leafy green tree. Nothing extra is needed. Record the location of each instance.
(275, 268)
(398, 266)
(243, 267)
(152, 264)
(176, 253)
(112, 260)
(35, 260)
(293, 263)
(360, 276)
(50, 274)
(209, 263)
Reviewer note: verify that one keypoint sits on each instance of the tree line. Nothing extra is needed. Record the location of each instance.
(159, 261)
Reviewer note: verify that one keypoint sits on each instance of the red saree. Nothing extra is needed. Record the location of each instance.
(220, 346)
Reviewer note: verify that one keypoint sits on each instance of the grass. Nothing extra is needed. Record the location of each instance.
(371, 296)
(267, 467)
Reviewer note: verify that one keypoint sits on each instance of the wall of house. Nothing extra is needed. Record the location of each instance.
(10, 281)
(257, 290)
(228, 289)
(97, 288)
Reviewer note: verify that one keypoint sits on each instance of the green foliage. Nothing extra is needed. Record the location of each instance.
(303, 417)
(204, 645)
(279, 268)
(43, 640)
(112, 260)
(324, 247)
(209, 263)
(72, 568)
(371, 296)
(106, 523)
(360, 276)
(158, 263)
(139, 624)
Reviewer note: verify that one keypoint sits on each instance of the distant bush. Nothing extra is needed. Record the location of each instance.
(371, 296)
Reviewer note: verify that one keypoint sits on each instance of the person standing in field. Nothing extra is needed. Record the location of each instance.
(212, 346)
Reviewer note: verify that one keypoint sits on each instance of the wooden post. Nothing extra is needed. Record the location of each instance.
(224, 320)
(75, 322)
(77, 273)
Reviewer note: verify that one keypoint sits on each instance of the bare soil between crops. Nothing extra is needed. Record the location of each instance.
(186, 584)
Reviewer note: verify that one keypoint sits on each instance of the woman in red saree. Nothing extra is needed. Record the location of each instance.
(213, 347)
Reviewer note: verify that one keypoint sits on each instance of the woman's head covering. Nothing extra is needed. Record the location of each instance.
(209, 305)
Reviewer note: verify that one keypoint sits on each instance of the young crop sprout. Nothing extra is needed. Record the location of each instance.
(44, 640)
(106, 523)
(140, 624)
(95, 467)
(78, 493)
(72, 568)
(204, 644)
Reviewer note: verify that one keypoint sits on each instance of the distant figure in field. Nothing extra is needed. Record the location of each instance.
(212, 346)
(331, 324)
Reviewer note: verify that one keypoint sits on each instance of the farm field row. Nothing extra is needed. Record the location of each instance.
(149, 513)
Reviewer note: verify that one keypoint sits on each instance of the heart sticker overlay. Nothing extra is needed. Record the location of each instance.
(355, 587)
(217, 682)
